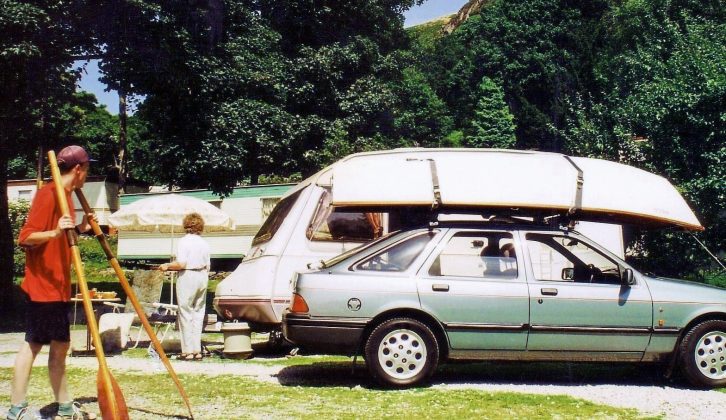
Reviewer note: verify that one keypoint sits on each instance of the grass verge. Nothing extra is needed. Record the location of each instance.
(228, 397)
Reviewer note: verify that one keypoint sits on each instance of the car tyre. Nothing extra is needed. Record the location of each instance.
(401, 352)
(703, 354)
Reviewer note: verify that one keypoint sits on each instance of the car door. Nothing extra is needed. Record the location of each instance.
(472, 283)
(577, 302)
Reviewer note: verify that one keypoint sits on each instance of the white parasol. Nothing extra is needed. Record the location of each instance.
(165, 213)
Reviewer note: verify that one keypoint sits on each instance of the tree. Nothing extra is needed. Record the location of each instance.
(36, 51)
(664, 87)
(279, 60)
(542, 52)
(422, 118)
(493, 124)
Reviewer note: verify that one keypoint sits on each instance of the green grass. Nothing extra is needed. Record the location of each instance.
(227, 397)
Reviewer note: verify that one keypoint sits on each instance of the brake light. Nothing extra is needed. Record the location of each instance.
(298, 304)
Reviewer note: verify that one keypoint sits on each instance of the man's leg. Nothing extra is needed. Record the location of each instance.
(21, 373)
(57, 369)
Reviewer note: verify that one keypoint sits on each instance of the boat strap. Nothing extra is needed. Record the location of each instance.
(577, 205)
(435, 182)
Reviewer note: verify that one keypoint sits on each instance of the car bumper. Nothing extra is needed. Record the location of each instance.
(328, 335)
(257, 311)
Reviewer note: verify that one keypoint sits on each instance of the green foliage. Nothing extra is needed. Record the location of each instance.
(492, 124)
(659, 104)
(18, 214)
(423, 119)
(92, 255)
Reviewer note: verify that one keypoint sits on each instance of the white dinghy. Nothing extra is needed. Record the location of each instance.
(507, 181)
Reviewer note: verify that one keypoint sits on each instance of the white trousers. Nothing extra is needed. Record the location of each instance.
(191, 291)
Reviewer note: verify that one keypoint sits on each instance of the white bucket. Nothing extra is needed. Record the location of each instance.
(237, 340)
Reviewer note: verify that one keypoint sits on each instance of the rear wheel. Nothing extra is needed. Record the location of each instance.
(401, 352)
(703, 354)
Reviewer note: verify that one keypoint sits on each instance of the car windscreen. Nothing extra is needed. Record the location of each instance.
(400, 256)
(275, 219)
(338, 258)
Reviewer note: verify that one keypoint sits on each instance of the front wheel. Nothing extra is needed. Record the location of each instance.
(703, 354)
(401, 352)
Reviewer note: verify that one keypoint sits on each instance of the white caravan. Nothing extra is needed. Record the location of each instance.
(366, 195)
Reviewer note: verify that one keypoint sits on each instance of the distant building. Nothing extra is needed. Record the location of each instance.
(247, 206)
(102, 196)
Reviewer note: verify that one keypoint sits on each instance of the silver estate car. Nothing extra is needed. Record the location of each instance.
(502, 292)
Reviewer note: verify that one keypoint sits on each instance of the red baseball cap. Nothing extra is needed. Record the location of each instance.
(71, 156)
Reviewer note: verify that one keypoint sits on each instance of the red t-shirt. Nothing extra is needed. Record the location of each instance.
(47, 266)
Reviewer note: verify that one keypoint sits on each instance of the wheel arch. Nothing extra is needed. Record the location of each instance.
(675, 356)
(416, 314)
(708, 316)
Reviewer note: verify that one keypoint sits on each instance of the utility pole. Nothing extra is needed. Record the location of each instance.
(122, 130)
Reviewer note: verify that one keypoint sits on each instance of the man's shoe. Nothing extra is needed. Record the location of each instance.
(19, 412)
(73, 411)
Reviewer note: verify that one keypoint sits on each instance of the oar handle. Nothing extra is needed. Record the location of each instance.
(107, 384)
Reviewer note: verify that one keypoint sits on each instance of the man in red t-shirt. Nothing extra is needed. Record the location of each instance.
(47, 284)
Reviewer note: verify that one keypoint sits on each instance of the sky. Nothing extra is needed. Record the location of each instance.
(430, 10)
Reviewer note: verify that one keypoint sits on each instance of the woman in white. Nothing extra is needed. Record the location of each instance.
(193, 263)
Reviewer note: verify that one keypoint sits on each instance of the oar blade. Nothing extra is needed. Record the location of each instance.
(104, 401)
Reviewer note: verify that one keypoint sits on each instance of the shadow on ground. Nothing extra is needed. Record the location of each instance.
(346, 374)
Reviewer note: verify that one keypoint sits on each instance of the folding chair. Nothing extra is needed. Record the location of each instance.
(115, 327)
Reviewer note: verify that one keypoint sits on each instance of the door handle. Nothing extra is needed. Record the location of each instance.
(546, 291)
(440, 287)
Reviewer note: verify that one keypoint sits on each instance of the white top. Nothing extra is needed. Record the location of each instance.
(194, 252)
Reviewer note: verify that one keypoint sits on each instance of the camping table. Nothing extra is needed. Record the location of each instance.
(96, 303)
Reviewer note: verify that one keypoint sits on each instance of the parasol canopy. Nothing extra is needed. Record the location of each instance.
(165, 213)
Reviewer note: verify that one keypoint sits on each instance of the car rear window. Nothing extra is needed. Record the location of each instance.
(330, 224)
(275, 219)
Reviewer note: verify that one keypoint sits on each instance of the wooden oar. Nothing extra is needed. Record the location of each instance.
(110, 399)
(132, 296)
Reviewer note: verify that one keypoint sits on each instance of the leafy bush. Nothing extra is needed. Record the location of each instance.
(92, 254)
(18, 213)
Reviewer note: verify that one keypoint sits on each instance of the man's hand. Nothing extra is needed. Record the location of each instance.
(65, 222)
(85, 224)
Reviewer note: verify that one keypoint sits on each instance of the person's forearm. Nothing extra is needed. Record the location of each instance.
(173, 266)
(39, 238)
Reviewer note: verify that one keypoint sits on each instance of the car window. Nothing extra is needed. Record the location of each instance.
(562, 258)
(398, 257)
(330, 224)
(275, 219)
(478, 255)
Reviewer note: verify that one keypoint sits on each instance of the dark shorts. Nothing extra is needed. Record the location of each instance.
(47, 321)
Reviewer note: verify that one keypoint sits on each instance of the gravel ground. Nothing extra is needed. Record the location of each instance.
(646, 391)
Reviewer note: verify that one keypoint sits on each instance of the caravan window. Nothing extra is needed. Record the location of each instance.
(330, 224)
(274, 221)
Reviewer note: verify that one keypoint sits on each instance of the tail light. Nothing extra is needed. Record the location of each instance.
(298, 304)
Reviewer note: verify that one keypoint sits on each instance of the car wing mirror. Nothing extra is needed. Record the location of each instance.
(627, 279)
(568, 273)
